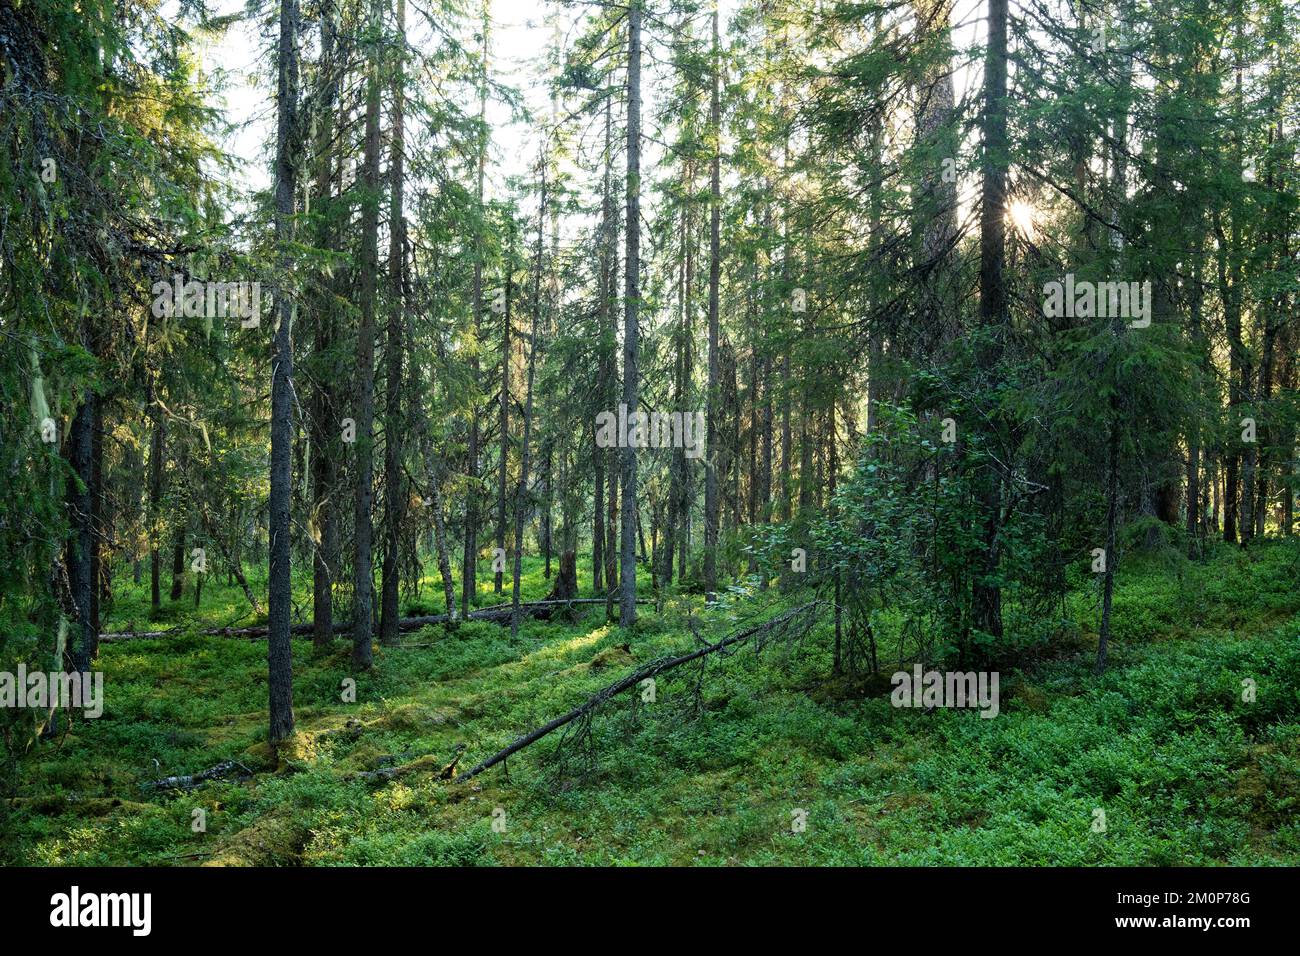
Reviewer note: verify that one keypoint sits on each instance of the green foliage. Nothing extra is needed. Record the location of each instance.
(1185, 770)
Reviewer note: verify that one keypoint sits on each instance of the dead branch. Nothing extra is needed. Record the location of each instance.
(633, 679)
(221, 771)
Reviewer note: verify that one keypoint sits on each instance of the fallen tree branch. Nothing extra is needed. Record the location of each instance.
(633, 679)
(189, 781)
(497, 614)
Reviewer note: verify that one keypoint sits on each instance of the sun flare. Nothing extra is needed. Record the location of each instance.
(1022, 216)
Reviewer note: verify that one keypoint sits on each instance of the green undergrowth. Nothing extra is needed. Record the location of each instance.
(722, 767)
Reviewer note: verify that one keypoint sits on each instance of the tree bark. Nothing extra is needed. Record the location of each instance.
(155, 502)
(178, 564)
(632, 303)
(1112, 521)
(504, 424)
(469, 562)
(521, 489)
(712, 504)
(986, 593)
(395, 494)
(278, 647)
(78, 548)
(363, 531)
(324, 438)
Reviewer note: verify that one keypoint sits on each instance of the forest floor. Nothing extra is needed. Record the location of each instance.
(1184, 770)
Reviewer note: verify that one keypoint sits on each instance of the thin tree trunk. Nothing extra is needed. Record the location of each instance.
(395, 494)
(98, 569)
(434, 501)
(278, 648)
(938, 200)
(632, 303)
(469, 561)
(155, 500)
(712, 504)
(548, 502)
(505, 406)
(524, 459)
(604, 365)
(178, 564)
(324, 411)
(686, 489)
(1229, 294)
(986, 593)
(363, 585)
(1112, 521)
(77, 550)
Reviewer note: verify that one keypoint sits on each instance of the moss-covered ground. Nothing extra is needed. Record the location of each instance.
(718, 773)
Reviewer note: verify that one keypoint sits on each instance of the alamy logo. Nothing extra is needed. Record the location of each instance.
(1100, 300)
(946, 689)
(651, 430)
(43, 691)
(209, 300)
(103, 909)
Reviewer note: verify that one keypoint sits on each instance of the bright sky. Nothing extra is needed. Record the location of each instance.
(519, 36)
(244, 55)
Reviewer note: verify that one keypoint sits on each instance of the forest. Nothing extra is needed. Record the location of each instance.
(649, 432)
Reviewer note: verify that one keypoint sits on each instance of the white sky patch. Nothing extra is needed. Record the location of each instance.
(520, 34)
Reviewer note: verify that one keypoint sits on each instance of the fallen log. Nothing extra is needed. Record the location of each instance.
(497, 614)
(189, 781)
(633, 679)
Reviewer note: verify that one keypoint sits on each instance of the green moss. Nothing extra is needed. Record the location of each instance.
(1185, 771)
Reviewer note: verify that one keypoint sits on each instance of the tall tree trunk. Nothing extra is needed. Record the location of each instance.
(278, 649)
(604, 363)
(1112, 521)
(614, 456)
(548, 503)
(712, 504)
(504, 424)
(469, 562)
(1230, 295)
(755, 406)
(686, 488)
(1287, 440)
(434, 502)
(1195, 518)
(632, 304)
(875, 336)
(768, 418)
(363, 585)
(521, 490)
(1239, 358)
(77, 551)
(139, 482)
(156, 444)
(395, 494)
(986, 593)
(1269, 311)
(677, 507)
(787, 444)
(323, 435)
(612, 553)
(178, 564)
(98, 570)
(807, 412)
(937, 204)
